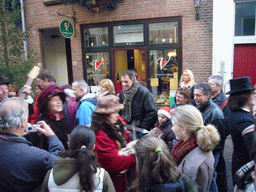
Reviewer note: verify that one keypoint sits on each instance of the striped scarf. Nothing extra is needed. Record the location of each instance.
(128, 96)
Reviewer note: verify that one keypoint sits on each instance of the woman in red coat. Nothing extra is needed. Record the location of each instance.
(110, 138)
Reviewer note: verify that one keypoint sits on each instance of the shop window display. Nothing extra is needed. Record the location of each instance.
(163, 32)
(96, 37)
(98, 67)
(163, 74)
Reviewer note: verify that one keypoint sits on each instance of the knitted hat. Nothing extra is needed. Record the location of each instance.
(47, 94)
(108, 104)
(165, 111)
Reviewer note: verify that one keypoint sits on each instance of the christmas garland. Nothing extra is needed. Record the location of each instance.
(92, 6)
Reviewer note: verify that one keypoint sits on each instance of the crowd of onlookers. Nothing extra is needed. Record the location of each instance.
(68, 139)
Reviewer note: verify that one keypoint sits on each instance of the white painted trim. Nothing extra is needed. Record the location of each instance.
(244, 39)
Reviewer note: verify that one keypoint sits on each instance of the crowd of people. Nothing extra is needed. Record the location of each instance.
(69, 139)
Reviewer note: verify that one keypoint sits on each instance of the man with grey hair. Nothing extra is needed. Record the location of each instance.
(87, 102)
(23, 167)
(218, 97)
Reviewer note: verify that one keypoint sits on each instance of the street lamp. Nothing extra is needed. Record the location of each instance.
(197, 4)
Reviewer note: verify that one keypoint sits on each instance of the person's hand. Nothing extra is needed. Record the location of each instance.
(44, 129)
(26, 91)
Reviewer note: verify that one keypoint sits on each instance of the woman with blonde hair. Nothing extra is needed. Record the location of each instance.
(106, 87)
(193, 152)
(156, 171)
(187, 79)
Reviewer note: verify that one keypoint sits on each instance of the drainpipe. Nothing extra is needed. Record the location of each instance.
(23, 28)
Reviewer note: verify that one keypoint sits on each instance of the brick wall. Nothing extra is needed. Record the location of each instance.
(196, 35)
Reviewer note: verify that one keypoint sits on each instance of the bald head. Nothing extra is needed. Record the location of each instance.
(13, 111)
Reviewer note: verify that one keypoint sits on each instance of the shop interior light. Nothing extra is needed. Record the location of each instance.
(197, 4)
(172, 54)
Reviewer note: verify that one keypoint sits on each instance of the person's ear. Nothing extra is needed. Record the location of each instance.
(208, 95)
(93, 147)
(24, 123)
(184, 130)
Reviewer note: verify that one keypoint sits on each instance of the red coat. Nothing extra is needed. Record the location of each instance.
(107, 152)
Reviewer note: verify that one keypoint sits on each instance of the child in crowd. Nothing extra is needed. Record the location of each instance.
(165, 126)
(78, 170)
(156, 171)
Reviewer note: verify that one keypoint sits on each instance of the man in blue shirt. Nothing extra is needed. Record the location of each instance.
(87, 102)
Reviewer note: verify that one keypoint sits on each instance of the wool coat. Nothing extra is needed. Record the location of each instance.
(107, 149)
(199, 166)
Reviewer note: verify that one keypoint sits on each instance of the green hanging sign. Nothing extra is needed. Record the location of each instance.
(66, 29)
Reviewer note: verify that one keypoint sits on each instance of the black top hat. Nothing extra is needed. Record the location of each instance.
(3, 82)
(240, 85)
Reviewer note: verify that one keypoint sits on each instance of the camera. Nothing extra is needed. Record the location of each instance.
(32, 128)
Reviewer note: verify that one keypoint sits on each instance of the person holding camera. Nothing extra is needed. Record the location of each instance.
(23, 167)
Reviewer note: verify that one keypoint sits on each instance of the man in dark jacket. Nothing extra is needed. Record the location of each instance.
(218, 97)
(140, 108)
(22, 166)
(212, 114)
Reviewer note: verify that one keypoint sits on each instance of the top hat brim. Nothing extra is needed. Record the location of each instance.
(240, 90)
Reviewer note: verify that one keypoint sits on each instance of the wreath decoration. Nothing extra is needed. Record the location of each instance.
(95, 5)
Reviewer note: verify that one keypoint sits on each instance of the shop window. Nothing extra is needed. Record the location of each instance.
(163, 74)
(245, 19)
(96, 37)
(128, 34)
(163, 32)
(98, 67)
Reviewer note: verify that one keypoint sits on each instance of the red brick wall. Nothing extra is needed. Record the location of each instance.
(196, 35)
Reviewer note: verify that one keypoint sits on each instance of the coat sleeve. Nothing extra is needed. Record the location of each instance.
(247, 131)
(108, 185)
(107, 153)
(55, 145)
(203, 177)
(150, 117)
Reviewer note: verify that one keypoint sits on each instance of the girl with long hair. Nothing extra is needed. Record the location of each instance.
(193, 152)
(110, 138)
(156, 171)
(78, 170)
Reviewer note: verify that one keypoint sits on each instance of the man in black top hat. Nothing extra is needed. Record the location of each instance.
(3, 89)
(240, 122)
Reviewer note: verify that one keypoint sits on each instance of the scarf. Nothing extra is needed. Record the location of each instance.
(182, 148)
(128, 96)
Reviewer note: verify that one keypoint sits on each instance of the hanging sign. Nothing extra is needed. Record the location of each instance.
(66, 29)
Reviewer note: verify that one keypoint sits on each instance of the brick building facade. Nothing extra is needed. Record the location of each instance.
(195, 45)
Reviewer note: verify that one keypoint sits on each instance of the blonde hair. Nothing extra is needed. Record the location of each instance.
(188, 116)
(109, 85)
(191, 77)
